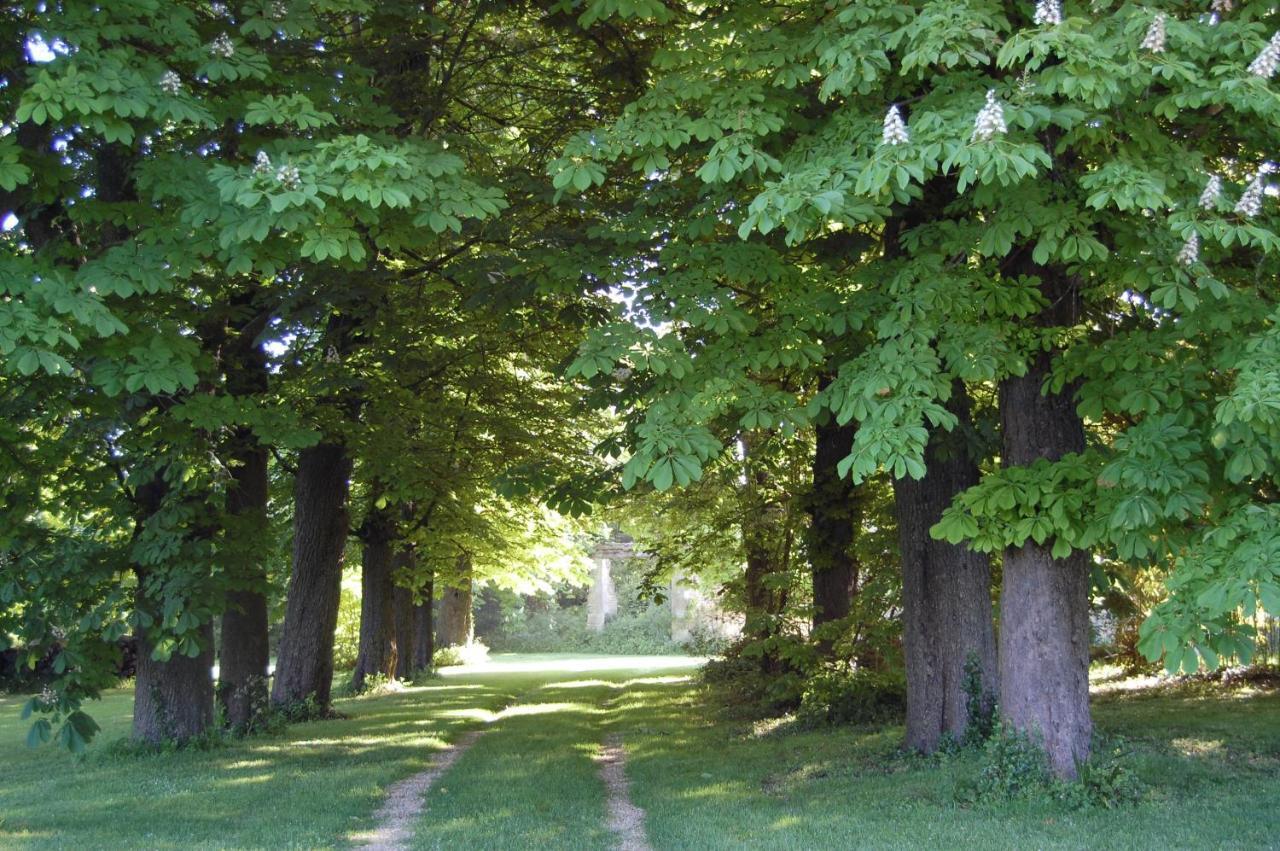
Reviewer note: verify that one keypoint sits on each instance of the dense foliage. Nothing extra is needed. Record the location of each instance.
(835, 306)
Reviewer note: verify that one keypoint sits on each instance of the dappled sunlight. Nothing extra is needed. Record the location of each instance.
(473, 714)
(251, 779)
(542, 709)
(240, 765)
(567, 684)
(1198, 747)
(553, 664)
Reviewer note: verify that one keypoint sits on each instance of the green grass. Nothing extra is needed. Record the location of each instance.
(1211, 762)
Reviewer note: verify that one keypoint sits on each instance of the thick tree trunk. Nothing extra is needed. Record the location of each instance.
(946, 593)
(304, 668)
(245, 653)
(173, 700)
(455, 626)
(1044, 602)
(402, 604)
(423, 628)
(377, 654)
(834, 518)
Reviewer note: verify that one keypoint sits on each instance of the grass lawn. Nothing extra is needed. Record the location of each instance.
(1211, 762)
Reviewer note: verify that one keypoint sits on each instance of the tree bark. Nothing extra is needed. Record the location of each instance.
(378, 652)
(245, 652)
(1044, 601)
(763, 530)
(455, 627)
(835, 516)
(304, 667)
(423, 628)
(402, 604)
(173, 700)
(946, 592)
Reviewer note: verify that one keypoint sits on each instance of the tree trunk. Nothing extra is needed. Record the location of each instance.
(173, 700)
(423, 629)
(1044, 602)
(245, 654)
(835, 516)
(455, 608)
(946, 593)
(402, 604)
(762, 523)
(304, 668)
(378, 652)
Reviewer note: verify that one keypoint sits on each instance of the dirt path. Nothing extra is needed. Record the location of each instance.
(626, 820)
(407, 799)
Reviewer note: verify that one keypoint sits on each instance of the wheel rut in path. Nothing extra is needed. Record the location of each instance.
(626, 820)
(393, 822)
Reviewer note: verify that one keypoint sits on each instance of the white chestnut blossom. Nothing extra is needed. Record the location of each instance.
(288, 177)
(1154, 39)
(262, 164)
(1265, 64)
(219, 9)
(1212, 192)
(279, 10)
(990, 120)
(1189, 255)
(1048, 12)
(895, 129)
(1220, 7)
(1250, 203)
(170, 83)
(222, 46)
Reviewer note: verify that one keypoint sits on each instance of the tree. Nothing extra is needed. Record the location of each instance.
(1077, 152)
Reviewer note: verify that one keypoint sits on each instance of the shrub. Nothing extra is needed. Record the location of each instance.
(979, 704)
(739, 681)
(1105, 781)
(642, 631)
(460, 654)
(1014, 765)
(842, 694)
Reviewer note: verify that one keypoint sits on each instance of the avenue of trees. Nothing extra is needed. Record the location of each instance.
(922, 328)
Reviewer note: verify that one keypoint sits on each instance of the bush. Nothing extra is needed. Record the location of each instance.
(1014, 765)
(841, 694)
(739, 681)
(1105, 781)
(641, 632)
(460, 654)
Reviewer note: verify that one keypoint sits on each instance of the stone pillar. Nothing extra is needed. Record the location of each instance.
(683, 610)
(602, 602)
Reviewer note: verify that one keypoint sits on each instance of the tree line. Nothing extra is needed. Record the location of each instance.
(998, 277)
